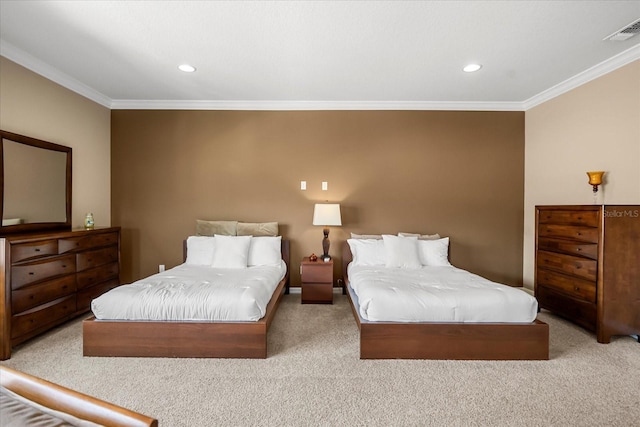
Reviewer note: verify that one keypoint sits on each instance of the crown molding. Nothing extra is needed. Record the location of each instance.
(312, 105)
(599, 70)
(37, 66)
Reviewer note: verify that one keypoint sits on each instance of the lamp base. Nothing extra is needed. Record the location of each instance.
(325, 245)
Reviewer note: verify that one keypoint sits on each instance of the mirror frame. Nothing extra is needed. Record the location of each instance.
(35, 226)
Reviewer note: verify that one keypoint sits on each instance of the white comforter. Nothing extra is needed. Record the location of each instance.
(190, 292)
(436, 294)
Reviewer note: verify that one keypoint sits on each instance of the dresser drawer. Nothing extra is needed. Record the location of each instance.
(579, 267)
(581, 312)
(586, 218)
(587, 250)
(85, 242)
(25, 251)
(97, 275)
(24, 274)
(86, 295)
(578, 288)
(41, 316)
(32, 296)
(573, 232)
(90, 259)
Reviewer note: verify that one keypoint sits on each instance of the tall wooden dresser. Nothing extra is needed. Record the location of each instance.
(52, 277)
(588, 266)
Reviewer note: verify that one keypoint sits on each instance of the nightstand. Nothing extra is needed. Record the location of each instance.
(317, 281)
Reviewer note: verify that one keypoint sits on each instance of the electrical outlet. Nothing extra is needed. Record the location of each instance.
(303, 185)
(161, 268)
(325, 185)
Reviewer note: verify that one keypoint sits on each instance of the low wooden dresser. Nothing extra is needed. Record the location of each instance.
(588, 266)
(52, 277)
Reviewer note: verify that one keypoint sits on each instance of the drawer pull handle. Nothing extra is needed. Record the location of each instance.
(37, 249)
(31, 273)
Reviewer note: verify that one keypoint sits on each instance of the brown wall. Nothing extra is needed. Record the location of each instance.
(460, 174)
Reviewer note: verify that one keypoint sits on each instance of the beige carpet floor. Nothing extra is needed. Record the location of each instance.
(313, 376)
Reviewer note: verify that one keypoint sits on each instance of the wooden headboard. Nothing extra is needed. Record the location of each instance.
(347, 257)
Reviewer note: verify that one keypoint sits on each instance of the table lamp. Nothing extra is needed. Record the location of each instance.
(326, 214)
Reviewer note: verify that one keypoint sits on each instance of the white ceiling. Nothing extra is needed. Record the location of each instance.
(318, 54)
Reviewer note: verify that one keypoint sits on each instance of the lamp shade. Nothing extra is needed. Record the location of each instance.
(327, 214)
(595, 178)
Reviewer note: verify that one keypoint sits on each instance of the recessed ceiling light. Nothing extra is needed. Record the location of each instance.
(471, 68)
(186, 68)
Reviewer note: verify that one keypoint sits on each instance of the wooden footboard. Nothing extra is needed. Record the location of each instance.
(180, 339)
(459, 341)
(61, 402)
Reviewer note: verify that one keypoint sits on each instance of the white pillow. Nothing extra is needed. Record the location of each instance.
(231, 251)
(402, 252)
(200, 250)
(434, 252)
(265, 251)
(367, 251)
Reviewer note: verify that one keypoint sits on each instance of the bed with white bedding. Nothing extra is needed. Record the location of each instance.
(219, 303)
(410, 302)
(437, 294)
(192, 293)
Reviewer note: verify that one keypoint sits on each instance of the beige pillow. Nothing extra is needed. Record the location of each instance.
(366, 236)
(209, 228)
(257, 229)
(421, 236)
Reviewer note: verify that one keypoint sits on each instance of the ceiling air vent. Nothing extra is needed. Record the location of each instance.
(625, 32)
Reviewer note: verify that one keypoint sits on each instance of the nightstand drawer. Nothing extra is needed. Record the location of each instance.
(317, 293)
(318, 272)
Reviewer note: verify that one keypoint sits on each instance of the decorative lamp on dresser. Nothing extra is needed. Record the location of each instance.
(588, 266)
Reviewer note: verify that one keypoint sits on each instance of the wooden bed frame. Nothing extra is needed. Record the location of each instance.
(434, 340)
(184, 339)
(69, 402)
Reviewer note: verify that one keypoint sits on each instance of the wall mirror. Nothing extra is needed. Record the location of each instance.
(35, 191)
